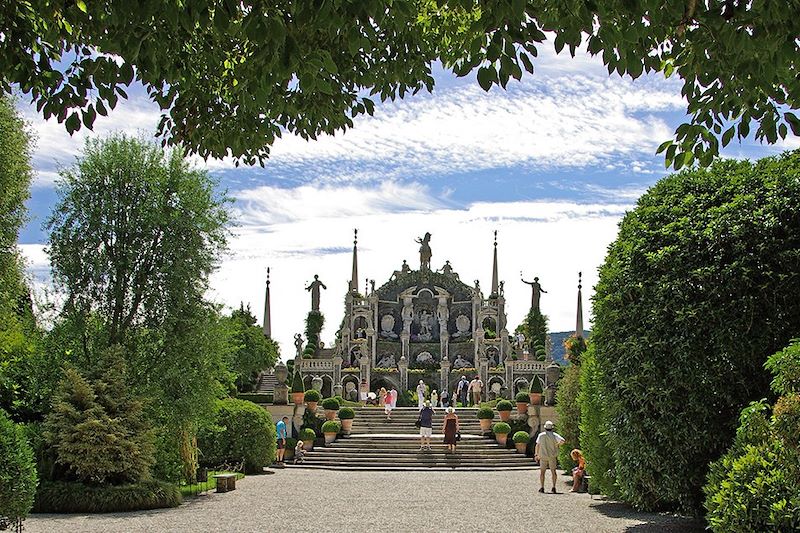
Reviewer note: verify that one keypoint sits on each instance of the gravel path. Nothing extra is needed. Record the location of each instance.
(320, 500)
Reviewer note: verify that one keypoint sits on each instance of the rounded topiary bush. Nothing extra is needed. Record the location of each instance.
(312, 395)
(242, 432)
(501, 428)
(521, 437)
(307, 434)
(331, 426)
(504, 405)
(18, 476)
(347, 413)
(485, 413)
(63, 497)
(522, 397)
(330, 404)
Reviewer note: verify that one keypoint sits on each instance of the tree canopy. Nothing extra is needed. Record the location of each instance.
(232, 76)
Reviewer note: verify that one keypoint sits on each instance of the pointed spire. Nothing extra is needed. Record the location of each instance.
(495, 281)
(354, 277)
(579, 318)
(267, 315)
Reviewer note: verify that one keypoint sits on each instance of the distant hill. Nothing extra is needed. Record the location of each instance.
(558, 339)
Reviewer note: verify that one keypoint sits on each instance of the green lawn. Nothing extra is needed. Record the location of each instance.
(198, 488)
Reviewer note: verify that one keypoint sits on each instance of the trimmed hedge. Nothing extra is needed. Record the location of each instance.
(521, 436)
(505, 405)
(242, 432)
(501, 428)
(347, 413)
(331, 404)
(536, 385)
(522, 397)
(255, 397)
(485, 413)
(312, 395)
(331, 426)
(65, 497)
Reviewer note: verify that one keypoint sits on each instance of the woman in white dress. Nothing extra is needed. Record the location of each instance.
(421, 395)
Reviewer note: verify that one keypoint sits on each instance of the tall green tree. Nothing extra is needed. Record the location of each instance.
(252, 351)
(698, 289)
(259, 69)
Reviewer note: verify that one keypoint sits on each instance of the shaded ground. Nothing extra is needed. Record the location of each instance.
(319, 500)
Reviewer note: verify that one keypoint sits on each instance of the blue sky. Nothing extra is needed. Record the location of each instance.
(552, 163)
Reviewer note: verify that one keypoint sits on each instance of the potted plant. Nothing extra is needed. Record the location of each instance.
(330, 429)
(346, 416)
(307, 435)
(486, 415)
(501, 431)
(536, 391)
(523, 400)
(298, 389)
(504, 407)
(521, 440)
(331, 406)
(312, 398)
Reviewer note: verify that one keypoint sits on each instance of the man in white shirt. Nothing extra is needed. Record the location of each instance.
(477, 390)
(546, 453)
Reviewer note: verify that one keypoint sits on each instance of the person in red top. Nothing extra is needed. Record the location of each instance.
(579, 471)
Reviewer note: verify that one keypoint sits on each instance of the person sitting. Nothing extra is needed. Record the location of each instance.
(579, 471)
(299, 452)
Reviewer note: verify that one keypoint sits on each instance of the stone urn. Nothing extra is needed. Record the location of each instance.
(330, 414)
(504, 415)
(281, 372)
(521, 447)
(330, 438)
(486, 424)
(501, 438)
(536, 398)
(347, 424)
(308, 445)
(522, 408)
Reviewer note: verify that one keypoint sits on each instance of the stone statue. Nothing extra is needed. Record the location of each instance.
(425, 325)
(407, 315)
(460, 362)
(298, 343)
(442, 313)
(314, 288)
(502, 290)
(424, 252)
(404, 269)
(387, 361)
(447, 269)
(372, 285)
(477, 290)
(424, 357)
(536, 291)
(387, 327)
(462, 326)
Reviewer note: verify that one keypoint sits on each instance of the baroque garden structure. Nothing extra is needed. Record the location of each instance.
(422, 324)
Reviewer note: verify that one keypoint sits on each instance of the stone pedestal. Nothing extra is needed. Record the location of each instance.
(281, 395)
(552, 373)
(483, 372)
(444, 376)
(365, 366)
(402, 367)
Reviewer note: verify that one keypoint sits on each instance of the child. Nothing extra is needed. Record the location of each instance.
(299, 452)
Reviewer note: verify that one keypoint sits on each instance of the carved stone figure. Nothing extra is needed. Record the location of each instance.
(425, 326)
(387, 327)
(298, 343)
(424, 252)
(314, 288)
(447, 269)
(536, 290)
(387, 361)
(502, 289)
(442, 312)
(424, 357)
(462, 326)
(460, 362)
(407, 315)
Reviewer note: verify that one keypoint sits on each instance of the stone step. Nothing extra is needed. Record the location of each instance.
(384, 467)
(437, 451)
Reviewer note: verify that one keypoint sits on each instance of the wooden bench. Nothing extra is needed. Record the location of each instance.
(225, 482)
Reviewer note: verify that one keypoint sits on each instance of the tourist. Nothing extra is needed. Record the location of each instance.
(435, 398)
(579, 471)
(299, 452)
(382, 396)
(280, 433)
(425, 422)
(451, 427)
(421, 394)
(477, 389)
(363, 390)
(388, 403)
(546, 453)
(461, 389)
(394, 398)
(454, 400)
(445, 399)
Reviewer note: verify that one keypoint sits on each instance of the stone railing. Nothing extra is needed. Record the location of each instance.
(316, 365)
(527, 366)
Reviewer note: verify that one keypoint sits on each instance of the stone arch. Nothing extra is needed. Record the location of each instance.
(384, 380)
(307, 381)
(429, 293)
(360, 325)
(327, 386)
(521, 383)
(349, 378)
(492, 385)
(489, 326)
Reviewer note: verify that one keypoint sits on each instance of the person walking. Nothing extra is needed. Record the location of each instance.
(435, 399)
(461, 390)
(425, 421)
(451, 427)
(421, 394)
(363, 391)
(388, 403)
(382, 396)
(445, 399)
(454, 399)
(280, 434)
(477, 390)
(546, 453)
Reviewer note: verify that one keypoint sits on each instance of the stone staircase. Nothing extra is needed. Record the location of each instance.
(379, 444)
(266, 382)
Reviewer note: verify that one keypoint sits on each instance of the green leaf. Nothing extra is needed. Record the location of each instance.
(81, 5)
(73, 123)
(793, 122)
(485, 77)
(728, 135)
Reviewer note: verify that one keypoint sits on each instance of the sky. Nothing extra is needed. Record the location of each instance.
(552, 164)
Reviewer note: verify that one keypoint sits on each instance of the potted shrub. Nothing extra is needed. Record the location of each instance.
(501, 431)
(330, 429)
(307, 435)
(331, 406)
(504, 407)
(298, 389)
(486, 415)
(521, 440)
(536, 392)
(523, 400)
(312, 398)
(346, 416)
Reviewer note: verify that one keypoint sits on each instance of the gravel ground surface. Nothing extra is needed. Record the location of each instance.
(322, 500)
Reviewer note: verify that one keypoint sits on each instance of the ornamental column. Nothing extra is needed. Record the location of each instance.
(444, 376)
(402, 366)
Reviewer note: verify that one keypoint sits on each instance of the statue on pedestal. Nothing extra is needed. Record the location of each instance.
(314, 288)
(425, 252)
(407, 314)
(536, 291)
(298, 343)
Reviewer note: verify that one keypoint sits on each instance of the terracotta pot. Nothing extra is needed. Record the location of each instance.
(308, 445)
(298, 398)
(536, 398)
(330, 414)
(521, 447)
(330, 437)
(501, 438)
(486, 424)
(504, 415)
(347, 424)
(312, 406)
(522, 407)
